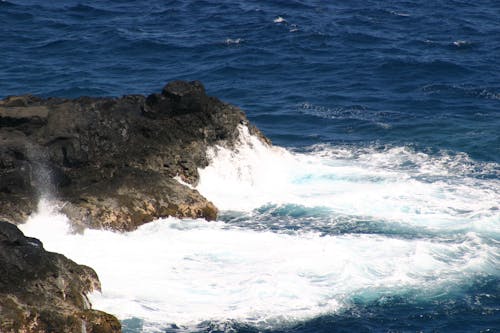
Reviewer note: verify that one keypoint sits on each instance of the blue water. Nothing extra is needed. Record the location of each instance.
(364, 76)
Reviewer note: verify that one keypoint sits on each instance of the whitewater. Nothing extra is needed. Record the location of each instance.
(302, 233)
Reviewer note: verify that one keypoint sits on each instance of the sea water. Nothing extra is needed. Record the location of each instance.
(377, 208)
(301, 236)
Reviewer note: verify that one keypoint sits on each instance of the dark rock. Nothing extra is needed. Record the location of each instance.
(42, 291)
(111, 161)
(186, 97)
(133, 197)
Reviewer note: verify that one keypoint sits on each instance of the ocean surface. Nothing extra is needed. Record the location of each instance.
(377, 209)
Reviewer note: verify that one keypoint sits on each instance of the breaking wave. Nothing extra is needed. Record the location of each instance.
(316, 260)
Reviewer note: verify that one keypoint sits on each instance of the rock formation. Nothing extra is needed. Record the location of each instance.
(111, 162)
(45, 292)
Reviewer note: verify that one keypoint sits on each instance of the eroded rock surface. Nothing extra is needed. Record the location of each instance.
(111, 161)
(45, 292)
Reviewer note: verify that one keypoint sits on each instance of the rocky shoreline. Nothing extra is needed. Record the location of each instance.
(110, 163)
(42, 291)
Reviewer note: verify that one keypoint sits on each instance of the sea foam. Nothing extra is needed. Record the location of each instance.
(185, 272)
(391, 185)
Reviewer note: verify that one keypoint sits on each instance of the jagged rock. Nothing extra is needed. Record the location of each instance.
(45, 292)
(111, 161)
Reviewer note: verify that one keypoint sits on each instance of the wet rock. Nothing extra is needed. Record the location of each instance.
(42, 291)
(112, 161)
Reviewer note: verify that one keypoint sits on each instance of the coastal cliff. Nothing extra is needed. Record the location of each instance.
(113, 163)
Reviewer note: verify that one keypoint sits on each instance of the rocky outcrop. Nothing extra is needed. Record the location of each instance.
(112, 161)
(45, 292)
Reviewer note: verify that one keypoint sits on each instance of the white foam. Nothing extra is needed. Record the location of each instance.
(185, 272)
(181, 181)
(249, 176)
(461, 43)
(294, 28)
(394, 184)
(279, 19)
(400, 13)
(230, 41)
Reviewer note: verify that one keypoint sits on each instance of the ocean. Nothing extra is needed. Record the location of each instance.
(376, 210)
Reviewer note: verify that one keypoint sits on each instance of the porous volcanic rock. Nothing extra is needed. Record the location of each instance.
(112, 161)
(45, 292)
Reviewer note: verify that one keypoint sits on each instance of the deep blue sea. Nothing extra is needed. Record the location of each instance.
(379, 208)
